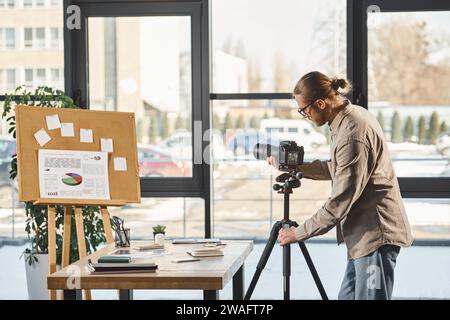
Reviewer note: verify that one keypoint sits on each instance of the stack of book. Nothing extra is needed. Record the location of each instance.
(206, 251)
(119, 267)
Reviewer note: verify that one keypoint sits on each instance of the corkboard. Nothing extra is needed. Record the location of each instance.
(124, 186)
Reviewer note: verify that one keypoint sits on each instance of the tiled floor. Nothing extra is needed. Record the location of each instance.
(422, 272)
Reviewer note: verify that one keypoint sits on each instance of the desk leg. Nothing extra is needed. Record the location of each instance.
(126, 294)
(210, 295)
(238, 284)
(73, 294)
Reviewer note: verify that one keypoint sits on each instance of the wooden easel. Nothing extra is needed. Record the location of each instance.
(82, 251)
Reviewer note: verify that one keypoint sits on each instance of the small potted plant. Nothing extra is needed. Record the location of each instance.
(159, 232)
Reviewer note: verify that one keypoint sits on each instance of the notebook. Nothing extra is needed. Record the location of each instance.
(206, 252)
(194, 240)
(111, 268)
(114, 259)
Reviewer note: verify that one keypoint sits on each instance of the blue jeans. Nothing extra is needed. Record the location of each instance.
(370, 277)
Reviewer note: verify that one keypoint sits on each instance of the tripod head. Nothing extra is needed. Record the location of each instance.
(290, 180)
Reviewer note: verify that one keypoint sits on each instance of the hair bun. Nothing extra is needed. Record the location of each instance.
(339, 83)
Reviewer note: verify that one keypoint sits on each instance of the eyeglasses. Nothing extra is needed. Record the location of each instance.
(302, 111)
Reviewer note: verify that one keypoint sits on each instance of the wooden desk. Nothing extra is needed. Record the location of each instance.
(211, 274)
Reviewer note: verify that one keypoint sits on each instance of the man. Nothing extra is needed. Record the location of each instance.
(365, 204)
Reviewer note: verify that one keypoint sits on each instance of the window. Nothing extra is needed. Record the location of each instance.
(39, 38)
(251, 59)
(56, 78)
(7, 3)
(27, 3)
(245, 204)
(35, 77)
(7, 80)
(56, 3)
(34, 37)
(39, 3)
(132, 73)
(408, 88)
(10, 79)
(250, 55)
(7, 38)
(28, 37)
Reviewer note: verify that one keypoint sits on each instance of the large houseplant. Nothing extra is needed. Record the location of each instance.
(36, 222)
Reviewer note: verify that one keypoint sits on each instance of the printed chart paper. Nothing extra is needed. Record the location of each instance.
(73, 174)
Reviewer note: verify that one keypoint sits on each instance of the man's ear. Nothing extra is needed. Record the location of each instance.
(321, 104)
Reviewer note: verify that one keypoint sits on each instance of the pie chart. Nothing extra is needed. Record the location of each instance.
(72, 179)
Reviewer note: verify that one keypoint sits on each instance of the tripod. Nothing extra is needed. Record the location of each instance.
(291, 180)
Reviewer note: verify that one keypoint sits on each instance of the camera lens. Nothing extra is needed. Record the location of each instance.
(261, 151)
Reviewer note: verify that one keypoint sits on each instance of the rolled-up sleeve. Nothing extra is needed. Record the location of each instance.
(353, 169)
(316, 170)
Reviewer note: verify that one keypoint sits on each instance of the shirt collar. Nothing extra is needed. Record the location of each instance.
(340, 116)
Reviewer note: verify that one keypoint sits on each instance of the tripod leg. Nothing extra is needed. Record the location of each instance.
(263, 260)
(313, 271)
(286, 271)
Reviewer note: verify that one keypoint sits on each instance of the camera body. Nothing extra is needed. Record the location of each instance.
(290, 155)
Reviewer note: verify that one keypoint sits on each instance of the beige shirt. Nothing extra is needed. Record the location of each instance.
(365, 204)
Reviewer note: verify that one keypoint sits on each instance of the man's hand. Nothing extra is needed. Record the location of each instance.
(273, 161)
(286, 236)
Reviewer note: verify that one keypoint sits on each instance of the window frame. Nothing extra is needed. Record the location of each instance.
(76, 58)
(410, 187)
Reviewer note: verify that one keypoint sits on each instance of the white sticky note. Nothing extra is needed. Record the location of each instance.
(120, 164)
(67, 129)
(53, 122)
(106, 145)
(42, 137)
(86, 135)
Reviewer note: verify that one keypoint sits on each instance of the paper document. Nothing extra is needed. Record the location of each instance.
(86, 135)
(120, 164)
(73, 174)
(53, 122)
(67, 129)
(106, 145)
(42, 137)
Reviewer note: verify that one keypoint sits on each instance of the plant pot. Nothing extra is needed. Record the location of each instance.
(159, 237)
(37, 277)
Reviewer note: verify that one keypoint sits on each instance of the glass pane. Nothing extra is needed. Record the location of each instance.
(10, 38)
(40, 77)
(409, 77)
(40, 38)
(28, 37)
(245, 204)
(27, 3)
(143, 65)
(29, 77)
(260, 46)
(10, 79)
(11, 3)
(429, 218)
(40, 3)
(54, 37)
(183, 217)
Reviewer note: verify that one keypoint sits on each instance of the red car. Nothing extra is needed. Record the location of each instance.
(155, 163)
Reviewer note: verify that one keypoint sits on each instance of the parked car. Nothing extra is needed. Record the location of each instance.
(155, 163)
